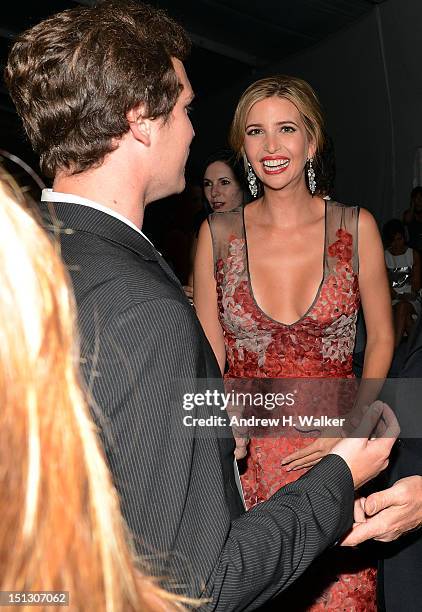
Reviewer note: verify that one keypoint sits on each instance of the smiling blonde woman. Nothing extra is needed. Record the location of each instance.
(277, 287)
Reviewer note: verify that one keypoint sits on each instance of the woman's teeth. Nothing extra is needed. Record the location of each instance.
(276, 163)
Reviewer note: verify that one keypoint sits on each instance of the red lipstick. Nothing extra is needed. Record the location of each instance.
(276, 164)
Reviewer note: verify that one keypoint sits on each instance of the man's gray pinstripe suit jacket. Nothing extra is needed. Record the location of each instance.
(138, 334)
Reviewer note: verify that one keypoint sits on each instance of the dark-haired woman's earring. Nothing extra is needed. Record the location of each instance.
(253, 185)
(311, 176)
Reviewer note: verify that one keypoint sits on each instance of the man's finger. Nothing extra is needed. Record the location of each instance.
(359, 510)
(379, 501)
(362, 532)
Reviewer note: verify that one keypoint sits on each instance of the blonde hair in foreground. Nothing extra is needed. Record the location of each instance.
(61, 527)
(297, 91)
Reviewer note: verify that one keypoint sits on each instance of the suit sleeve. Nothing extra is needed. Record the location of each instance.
(271, 545)
(171, 485)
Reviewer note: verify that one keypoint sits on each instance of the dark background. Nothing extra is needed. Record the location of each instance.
(362, 56)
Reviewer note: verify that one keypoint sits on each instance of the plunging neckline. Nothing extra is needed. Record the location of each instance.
(248, 274)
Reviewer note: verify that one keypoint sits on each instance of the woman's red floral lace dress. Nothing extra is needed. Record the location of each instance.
(319, 345)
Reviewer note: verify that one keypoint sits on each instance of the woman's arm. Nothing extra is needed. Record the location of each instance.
(376, 301)
(205, 294)
(188, 289)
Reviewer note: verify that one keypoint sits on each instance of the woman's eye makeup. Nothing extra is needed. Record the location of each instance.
(253, 131)
(286, 129)
(221, 182)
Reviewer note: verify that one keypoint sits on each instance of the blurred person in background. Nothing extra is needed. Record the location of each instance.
(404, 272)
(224, 188)
(224, 182)
(393, 513)
(412, 219)
(61, 527)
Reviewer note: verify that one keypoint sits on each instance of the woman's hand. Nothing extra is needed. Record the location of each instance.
(241, 449)
(310, 455)
(188, 292)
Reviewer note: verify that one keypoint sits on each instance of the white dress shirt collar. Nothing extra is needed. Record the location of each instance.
(48, 195)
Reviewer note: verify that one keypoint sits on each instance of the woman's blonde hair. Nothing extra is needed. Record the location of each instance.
(297, 91)
(61, 527)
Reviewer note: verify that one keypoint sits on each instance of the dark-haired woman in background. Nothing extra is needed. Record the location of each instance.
(224, 189)
(223, 182)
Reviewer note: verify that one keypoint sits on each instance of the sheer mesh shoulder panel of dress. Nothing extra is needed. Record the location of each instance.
(225, 227)
(341, 236)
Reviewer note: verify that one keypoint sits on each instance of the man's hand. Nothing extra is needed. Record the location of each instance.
(365, 457)
(389, 513)
(359, 510)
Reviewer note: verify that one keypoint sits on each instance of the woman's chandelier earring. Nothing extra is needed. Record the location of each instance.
(311, 176)
(253, 185)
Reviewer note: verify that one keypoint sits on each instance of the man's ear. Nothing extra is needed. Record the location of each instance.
(139, 125)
